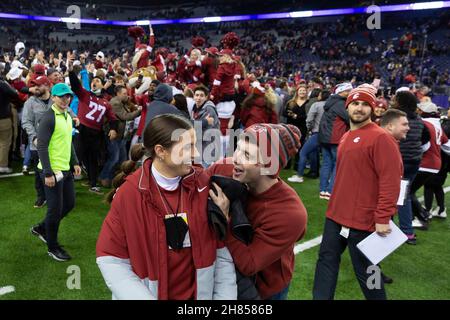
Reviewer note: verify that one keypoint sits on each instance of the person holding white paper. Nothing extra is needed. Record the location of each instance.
(368, 174)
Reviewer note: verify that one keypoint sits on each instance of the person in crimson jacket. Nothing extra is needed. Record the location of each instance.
(431, 160)
(223, 94)
(155, 242)
(368, 174)
(144, 100)
(256, 108)
(93, 109)
(275, 211)
(209, 66)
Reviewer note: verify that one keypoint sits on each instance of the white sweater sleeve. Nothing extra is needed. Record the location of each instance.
(225, 287)
(122, 281)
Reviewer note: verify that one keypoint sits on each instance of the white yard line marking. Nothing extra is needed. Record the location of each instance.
(15, 174)
(307, 245)
(316, 241)
(6, 290)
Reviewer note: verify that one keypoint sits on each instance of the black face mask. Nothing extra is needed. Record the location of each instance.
(176, 229)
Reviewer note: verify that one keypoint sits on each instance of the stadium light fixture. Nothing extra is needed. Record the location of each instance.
(428, 5)
(301, 14)
(212, 19)
(278, 15)
(143, 22)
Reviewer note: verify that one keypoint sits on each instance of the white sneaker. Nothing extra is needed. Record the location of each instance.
(324, 195)
(435, 212)
(416, 223)
(5, 170)
(442, 214)
(295, 178)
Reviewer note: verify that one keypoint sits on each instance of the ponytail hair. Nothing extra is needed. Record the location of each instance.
(137, 151)
(158, 132)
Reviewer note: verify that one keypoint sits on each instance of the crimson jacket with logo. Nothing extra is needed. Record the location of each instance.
(132, 250)
(92, 110)
(369, 169)
(431, 159)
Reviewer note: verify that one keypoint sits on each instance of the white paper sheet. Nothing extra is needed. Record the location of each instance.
(403, 189)
(376, 248)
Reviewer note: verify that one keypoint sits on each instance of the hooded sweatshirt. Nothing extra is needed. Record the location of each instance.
(199, 116)
(161, 103)
(335, 120)
(257, 113)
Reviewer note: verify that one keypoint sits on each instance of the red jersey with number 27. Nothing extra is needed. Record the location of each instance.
(92, 110)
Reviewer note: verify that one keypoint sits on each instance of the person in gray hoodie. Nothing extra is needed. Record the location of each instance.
(33, 110)
(207, 125)
(162, 98)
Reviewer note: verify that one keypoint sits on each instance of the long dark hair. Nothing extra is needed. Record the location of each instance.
(157, 132)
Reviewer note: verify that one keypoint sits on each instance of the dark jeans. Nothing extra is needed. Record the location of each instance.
(39, 186)
(116, 155)
(405, 215)
(309, 151)
(32, 159)
(90, 143)
(60, 201)
(327, 268)
(328, 170)
(282, 295)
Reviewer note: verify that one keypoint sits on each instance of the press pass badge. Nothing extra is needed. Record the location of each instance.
(177, 231)
(345, 232)
(59, 176)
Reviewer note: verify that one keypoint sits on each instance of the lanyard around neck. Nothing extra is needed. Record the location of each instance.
(166, 204)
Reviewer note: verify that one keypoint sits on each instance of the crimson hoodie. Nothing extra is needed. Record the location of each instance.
(369, 169)
(279, 220)
(257, 113)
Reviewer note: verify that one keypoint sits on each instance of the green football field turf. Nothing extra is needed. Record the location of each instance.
(419, 272)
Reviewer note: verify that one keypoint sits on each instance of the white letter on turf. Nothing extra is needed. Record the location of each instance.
(74, 280)
(374, 281)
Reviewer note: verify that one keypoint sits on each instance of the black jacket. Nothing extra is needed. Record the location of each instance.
(7, 95)
(418, 135)
(161, 103)
(335, 120)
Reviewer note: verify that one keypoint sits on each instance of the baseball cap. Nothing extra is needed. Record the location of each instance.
(428, 107)
(61, 89)
(41, 80)
(346, 86)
